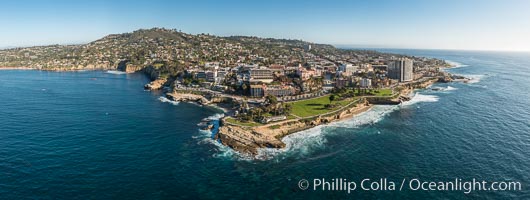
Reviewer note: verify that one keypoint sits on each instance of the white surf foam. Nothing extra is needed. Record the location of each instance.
(215, 116)
(299, 143)
(374, 115)
(115, 72)
(421, 98)
(166, 100)
(474, 78)
(220, 150)
(449, 88)
(455, 64)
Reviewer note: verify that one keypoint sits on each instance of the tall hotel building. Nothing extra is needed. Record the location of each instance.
(401, 69)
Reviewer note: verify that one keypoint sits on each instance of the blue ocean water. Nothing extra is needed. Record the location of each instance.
(98, 135)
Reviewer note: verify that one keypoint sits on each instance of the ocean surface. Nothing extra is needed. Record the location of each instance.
(99, 135)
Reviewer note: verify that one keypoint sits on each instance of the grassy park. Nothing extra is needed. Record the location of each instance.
(316, 106)
(381, 92)
(237, 122)
(320, 105)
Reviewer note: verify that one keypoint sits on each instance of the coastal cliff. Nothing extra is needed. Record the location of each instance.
(126, 66)
(247, 140)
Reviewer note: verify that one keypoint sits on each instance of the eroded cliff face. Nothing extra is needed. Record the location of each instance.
(125, 66)
(151, 72)
(79, 67)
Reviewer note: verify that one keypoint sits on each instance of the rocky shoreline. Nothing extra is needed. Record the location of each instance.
(248, 140)
(17, 68)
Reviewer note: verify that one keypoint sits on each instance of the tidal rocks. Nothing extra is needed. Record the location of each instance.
(208, 127)
(245, 140)
(445, 79)
(184, 97)
(156, 84)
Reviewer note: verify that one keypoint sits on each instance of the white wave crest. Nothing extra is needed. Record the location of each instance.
(300, 143)
(221, 151)
(166, 100)
(455, 64)
(374, 115)
(474, 78)
(215, 116)
(421, 98)
(115, 72)
(449, 88)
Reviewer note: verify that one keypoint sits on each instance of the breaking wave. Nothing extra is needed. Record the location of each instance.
(215, 116)
(421, 98)
(115, 72)
(166, 100)
(220, 150)
(449, 88)
(300, 143)
(455, 64)
(474, 78)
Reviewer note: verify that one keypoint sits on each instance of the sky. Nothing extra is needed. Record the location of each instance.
(502, 25)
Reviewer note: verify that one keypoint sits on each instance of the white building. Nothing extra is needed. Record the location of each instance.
(348, 69)
(261, 75)
(366, 83)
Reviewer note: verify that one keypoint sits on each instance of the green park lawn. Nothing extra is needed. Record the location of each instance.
(382, 92)
(316, 106)
(237, 122)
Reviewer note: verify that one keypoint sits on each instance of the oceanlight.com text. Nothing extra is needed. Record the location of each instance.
(412, 184)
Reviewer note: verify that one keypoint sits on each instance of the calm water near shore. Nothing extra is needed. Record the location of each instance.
(99, 135)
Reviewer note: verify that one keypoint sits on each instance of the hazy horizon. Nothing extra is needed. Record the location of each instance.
(410, 24)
